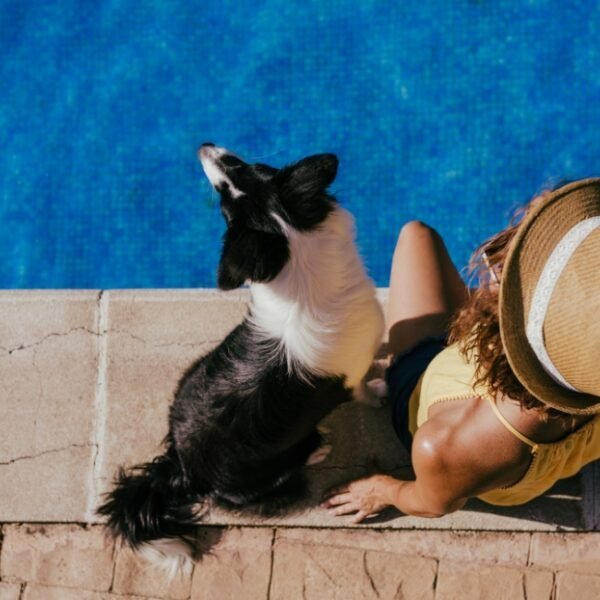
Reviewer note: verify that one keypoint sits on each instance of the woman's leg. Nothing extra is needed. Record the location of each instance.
(425, 288)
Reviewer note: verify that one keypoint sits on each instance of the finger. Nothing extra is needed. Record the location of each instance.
(344, 509)
(358, 517)
(335, 500)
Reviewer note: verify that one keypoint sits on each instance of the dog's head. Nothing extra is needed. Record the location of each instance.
(260, 205)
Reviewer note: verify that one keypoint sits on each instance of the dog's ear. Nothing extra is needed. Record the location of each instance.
(309, 176)
(250, 254)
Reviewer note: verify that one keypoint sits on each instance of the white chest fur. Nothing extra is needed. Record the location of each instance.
(322, 306)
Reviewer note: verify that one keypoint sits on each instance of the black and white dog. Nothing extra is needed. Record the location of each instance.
(244, 419)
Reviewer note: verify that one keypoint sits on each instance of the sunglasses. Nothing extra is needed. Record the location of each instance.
(493, 271)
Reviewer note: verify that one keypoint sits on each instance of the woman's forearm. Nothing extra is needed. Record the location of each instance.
(408, 498)
(370, 495)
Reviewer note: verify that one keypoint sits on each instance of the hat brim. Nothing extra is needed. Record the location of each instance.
(533, 243)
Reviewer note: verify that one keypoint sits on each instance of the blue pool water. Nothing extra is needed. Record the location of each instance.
(451, 112)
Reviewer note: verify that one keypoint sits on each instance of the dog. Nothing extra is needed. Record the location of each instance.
(243, 423)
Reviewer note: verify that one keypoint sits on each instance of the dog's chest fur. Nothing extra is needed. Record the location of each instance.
(322, 306)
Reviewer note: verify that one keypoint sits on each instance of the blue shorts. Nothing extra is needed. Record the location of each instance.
(403, 375)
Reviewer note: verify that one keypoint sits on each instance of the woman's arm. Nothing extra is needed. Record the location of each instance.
(369, 496)
(448, 468)
(434, 492)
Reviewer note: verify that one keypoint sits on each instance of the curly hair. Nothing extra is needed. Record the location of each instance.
(476, 326)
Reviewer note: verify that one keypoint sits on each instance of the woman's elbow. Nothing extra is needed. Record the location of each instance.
(439, 510)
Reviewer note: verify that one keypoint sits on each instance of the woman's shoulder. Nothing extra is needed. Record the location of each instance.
(463, 436)
(471, 421)
(450, 376)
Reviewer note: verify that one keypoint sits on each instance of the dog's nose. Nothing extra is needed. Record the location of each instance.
(207, 150)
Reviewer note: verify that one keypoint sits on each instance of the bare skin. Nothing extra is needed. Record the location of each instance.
(425, 292)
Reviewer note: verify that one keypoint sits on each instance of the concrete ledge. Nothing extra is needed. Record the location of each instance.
(86, 378)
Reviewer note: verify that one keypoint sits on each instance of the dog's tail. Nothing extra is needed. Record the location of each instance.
(151, 509)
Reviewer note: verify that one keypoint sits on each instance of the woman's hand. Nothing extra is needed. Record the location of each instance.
(366, 497)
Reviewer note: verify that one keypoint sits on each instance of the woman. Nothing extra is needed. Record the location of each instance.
(511, 405)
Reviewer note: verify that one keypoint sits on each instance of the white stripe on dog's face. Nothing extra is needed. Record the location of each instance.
(209, 156)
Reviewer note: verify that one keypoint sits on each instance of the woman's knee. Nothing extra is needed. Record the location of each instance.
(416, 230)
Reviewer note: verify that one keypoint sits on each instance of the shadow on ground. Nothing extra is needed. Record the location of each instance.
(364, 442)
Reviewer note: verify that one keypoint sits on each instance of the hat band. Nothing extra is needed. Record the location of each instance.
(555, 265)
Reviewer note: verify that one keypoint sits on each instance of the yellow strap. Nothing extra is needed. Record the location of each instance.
(518, 434)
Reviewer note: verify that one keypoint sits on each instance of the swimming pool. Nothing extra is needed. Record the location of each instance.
(450, 112)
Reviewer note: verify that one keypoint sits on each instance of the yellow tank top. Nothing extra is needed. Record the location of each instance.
(450, 377)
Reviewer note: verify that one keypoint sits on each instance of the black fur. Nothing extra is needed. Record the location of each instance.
(240, 430)
(251, 254)
(302, 187)
(151, 501)
(258, 427)
(241, 426)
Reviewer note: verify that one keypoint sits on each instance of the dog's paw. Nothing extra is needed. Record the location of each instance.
(319, 455)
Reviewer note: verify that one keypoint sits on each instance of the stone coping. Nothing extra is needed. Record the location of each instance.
(86, 378)
(70, 562)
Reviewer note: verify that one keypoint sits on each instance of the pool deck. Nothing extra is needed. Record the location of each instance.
(86, 378)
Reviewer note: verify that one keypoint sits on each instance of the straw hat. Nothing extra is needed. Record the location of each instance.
(550, 299)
